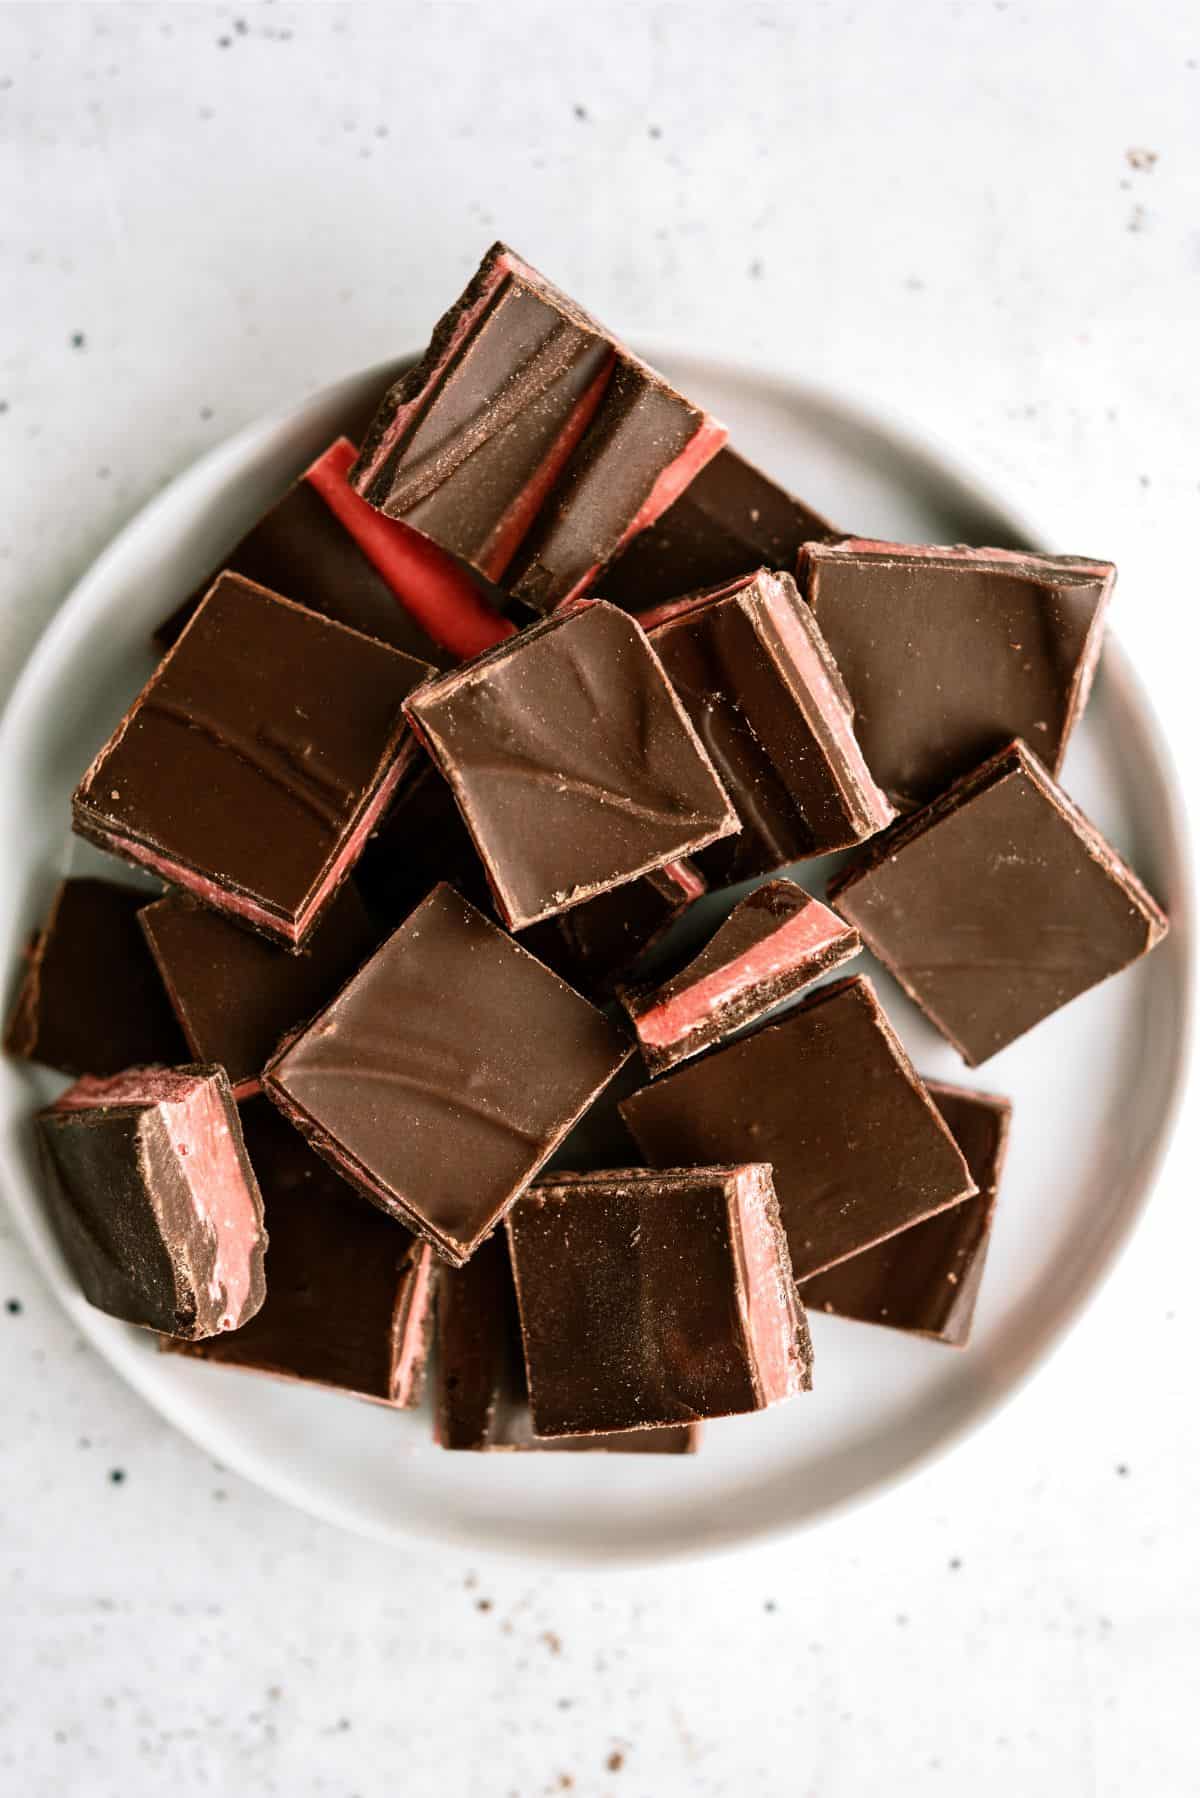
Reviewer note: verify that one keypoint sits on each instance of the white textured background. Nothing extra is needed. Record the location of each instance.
(983, 214)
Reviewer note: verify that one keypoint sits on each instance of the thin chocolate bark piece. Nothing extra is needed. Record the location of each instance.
(154, 1201)
(91, 1001)
(481, 1397)
(349, 1293)
(528, 441)
(775, 942)
(573, 763)
(594, 944)
(255, 763)
(753, 670)
(948, 653)
(445, 1073)
(655, 1298)
(326, 549)
(731, 520)
(927, 1279)
(998, 904)
(235, 994)
(830, 1099)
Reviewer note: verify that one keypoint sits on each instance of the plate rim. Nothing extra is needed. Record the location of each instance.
(129, 1360)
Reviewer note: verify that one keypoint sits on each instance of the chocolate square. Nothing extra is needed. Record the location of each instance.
(752, 668)
(573, 763)
(91, 1001)
(447, 1071)
(235, 994)
(255, 763)
(655, 1298)
(948, 653)
(349, 1293)
(154, 1201)
(831, 1100)
(998, 904)
(926, 1280)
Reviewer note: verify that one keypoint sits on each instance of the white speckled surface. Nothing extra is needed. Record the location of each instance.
(935, 209)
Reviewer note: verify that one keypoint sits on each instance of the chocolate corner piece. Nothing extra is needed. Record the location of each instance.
(91, 1001)
(998, 904)
(573, 763)
(755, 674)
(774, 943)
(830, 1099)
(950, 652)
(153, 1199)
(927, 1280)
(445, 1073)
(621, 1332)
(349, 1301)
(286, 732)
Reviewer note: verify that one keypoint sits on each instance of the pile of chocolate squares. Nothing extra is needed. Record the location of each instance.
(469, 719)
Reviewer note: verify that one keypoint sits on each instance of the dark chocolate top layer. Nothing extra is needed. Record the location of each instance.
(91, 1001)
(997, 904)
(750, 665)
(234, 993)
(446, 1072)
(927, 1279)
(254, 749)
(830, 1099)
(573, 763)
(481, 1399)
(731, 520)
(642, 1296)
(949, 653)
(348, 1290)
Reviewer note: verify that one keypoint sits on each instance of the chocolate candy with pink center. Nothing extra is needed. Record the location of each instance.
(349, 1293)
(948, 652)
(760, 686)
(573, 763)
(257, 760)
(775, 942)
(153, 1199)
(655, 1298)
(528, 441)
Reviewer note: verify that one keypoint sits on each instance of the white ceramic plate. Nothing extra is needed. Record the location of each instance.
(1093, 1088)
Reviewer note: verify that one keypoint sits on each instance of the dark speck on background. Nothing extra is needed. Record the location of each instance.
(116, 1476)
(224, 43)
(1122, 1470)
(656, 130)
(955, 1563)
(14, 1307)
(756, 269)
(1141, 160)
(483, 1604)
(241, 27)
(770, 1606)
(3, 405)
(615, 1761)
(580, 112)
(206, 412)
(78, 340)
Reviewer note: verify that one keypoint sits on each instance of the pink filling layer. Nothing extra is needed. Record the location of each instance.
(135, 1086)
(241, 904)
(770, 1307)
(690, 885)
(410, 1353)
(512, 527)
(428, 583)
(671, 482)
(221, 1197)
(463, 327)
(785, 951)
(812, 670)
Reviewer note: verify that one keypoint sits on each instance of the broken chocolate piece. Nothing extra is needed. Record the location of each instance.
(573, 763)
(527, 440)
(927, 1279)
(655, 1298)
(998, 904)
(758, 682)
(595, 943)
(153, 1200)
(728, 522)
(234, 993)
(777, 941)
(327, 550)
(481, 1399)
(446, 1073)
(255, 763)
(349, 1293)
(948, 653)
(831, 1100)
(91, 1001)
